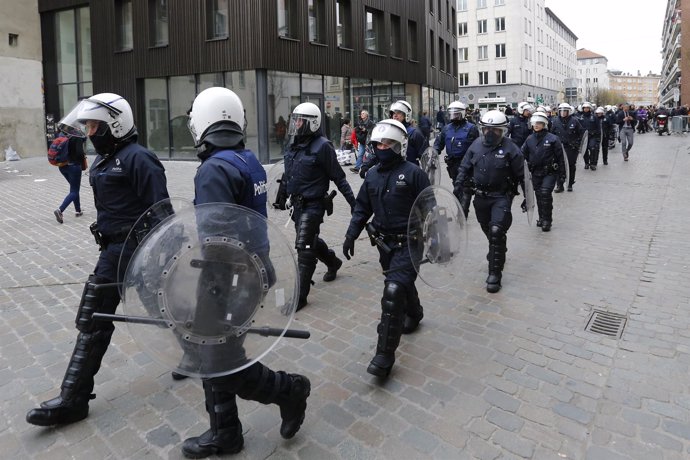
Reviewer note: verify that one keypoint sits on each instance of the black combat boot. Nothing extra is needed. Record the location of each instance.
(293, 405)
(393, 303)
(559, 188)
(497, 258)
(334, 264)
(225, 434)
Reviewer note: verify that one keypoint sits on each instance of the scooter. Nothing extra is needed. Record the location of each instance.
(662, 124)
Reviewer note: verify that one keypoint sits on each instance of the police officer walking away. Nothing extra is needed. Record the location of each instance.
(456, 137)
(388, 193)
(230, 173)
(518, 127)
(570, 132)
(543, 152)
(310, 165)
(605, 125)
(126, 180)
(592, 124)
(496, 167)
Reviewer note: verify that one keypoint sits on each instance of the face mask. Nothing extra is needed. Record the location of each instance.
(491, 138)
(386, 155)
(103, 143)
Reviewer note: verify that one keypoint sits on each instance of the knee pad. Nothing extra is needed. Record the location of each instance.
(307, 231)
(496, 234)
(95, 299)
(394, 298)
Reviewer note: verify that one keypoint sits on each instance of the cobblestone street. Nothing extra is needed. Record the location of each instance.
(508, 375)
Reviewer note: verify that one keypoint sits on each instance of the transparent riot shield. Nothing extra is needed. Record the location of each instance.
(277, 193)
(437, 237)
(206, 295)
(431, 165)
(583, 143)
(567, 166)
(152, 217)
(530, 199)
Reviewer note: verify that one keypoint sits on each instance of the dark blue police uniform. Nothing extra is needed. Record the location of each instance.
(570, 132)
(543, 152)
(310, 166)
(519, 129)
(456, 137)
(592, 124)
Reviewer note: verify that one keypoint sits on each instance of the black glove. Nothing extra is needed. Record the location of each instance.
(349, 248)
(363, 172)
(523, 205)
(457, 190)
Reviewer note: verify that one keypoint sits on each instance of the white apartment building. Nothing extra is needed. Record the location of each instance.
(592, 75)
(511, 51)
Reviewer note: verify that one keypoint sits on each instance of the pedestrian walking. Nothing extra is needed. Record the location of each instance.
(72, 172)
(626, 120)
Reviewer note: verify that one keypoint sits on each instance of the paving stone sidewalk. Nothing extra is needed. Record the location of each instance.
(489, 376)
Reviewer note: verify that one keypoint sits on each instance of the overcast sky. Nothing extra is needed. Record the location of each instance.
(627, 32)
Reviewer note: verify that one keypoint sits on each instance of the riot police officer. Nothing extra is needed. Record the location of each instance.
(388, 192)
(230, 173)
(592, 124)
(519, 128)
(310, 165)
(126, 180)
(569, 131)
(456, 137)
(402, 111)
(543, 152)
(605, 125)
(496, 167)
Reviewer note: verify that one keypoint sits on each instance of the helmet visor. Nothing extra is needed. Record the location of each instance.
(389, 143)
(300, 124)
(455, 113)
(70, 124)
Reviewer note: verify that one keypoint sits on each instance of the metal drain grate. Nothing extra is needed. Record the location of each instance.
(606, 323)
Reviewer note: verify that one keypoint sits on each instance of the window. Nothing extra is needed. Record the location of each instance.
(500, 76)
(343, 17)
(216, 19)
(464, 55)
(441, 55)
(287, 19)
(462, 29)
(452, 19)
(501, 50)
(13, 39)
(396, 38)
(484, 78)
(462, 5)
(73, 56)
(481, 26)
(373, 38)
(412, 40)
(158, 22)
(432, 51)
(500, 2)
(123, 25)
(500, 24)
(481, 3)
(463, 79)
(317, 21)
(483, 52)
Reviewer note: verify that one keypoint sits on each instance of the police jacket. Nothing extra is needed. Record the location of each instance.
(231, 176)
(456, 138)
(495, 170)
(310, 166)
(592, 124)
(363, 129)
(125, 185)
(416, 143)
(568, 130)
(425, 125)
(610, 120)
(620, 118)
(518, 129)
(605, 125)
(388, 192)
(543, 152)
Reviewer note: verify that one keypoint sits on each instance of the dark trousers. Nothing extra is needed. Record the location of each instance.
(494, 211)
(72, 173)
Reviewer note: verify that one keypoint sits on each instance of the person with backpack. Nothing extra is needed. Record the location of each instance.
(71, 152)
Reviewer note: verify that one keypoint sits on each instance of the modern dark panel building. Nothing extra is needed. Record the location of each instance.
(343, 55)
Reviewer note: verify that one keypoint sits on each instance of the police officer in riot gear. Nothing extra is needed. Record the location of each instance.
(570, 132)
(230, 173)
(388, 193)
(543, 152)
(605, 125)
(496, 167)
(519, 127)
(401, 111)
(310, 165)
(126, 180)
(456, 137)
(592, 124)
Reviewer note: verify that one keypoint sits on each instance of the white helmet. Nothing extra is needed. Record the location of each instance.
(308, 116)
(391, 133)
(586, 105)
(527, 106)
(564, 106)
(600, 110)
(490, 121)
(111, 109)
(401, 106)
(456, 110)
(541, 109)
(539, 117)
(214, 105)
(520, 107)
(547, 109)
